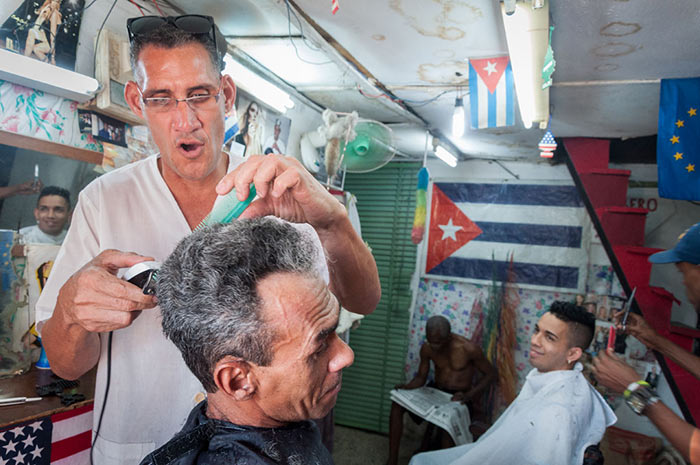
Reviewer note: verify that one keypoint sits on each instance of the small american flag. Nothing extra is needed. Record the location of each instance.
(335, 6)
(547, 145)
(61, 439)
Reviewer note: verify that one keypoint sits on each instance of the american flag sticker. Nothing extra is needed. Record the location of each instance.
(547, 145)
(62, 439)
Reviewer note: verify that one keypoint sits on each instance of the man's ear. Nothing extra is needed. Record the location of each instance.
(574, 354)
(233, 377)
(133, 98)
(228, 88)
(36, 214)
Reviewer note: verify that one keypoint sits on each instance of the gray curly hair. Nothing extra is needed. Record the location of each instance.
(207, 290)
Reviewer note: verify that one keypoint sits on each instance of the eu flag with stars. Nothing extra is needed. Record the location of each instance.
(678, 141)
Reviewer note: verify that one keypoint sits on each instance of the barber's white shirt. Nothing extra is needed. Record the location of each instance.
(151, 391)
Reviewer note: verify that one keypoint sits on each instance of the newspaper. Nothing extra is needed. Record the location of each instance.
(436, 407)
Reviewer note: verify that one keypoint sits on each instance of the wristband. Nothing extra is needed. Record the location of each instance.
(639, 396)
(633, 387)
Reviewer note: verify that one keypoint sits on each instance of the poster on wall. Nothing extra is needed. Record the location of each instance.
(474, 227)
(257, 129)
(46, 30)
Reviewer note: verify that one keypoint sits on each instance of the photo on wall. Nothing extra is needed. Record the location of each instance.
(257, 129)
(46, 30)
(108, 130)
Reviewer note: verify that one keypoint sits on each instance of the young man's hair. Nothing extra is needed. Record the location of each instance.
(169, 36)
(208, 295)
(581, 323)
(439, 324)
(54, 190)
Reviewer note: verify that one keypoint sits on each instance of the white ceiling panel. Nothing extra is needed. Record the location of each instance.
(406, 41)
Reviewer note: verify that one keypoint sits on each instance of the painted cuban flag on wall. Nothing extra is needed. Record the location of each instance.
(491, 92)
(543, 224)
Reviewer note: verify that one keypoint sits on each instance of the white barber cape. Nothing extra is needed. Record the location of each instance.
(556, 416)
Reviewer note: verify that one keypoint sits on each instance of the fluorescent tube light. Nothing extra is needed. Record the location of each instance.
(445, 156)
(527, 35)
(257, 86)
(42, 76)
(458, 118)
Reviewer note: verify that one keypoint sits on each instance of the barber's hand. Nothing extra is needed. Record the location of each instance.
(285, 189)
(612, 372)
(637, 327)
(29, 187)
(95, 299)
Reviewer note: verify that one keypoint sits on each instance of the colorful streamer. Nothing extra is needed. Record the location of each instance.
(421, 205)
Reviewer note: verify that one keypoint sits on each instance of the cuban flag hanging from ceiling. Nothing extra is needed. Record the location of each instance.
(475, 227)
(491, 92)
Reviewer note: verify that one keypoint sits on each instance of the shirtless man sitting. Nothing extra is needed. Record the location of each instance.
(456, 361)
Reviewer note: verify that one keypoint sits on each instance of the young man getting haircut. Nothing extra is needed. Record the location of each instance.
(557, 414)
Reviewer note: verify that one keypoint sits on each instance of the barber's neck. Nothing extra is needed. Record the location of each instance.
(194, 197)
(221, 406)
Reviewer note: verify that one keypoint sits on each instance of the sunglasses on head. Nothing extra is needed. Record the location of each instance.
(193, 24)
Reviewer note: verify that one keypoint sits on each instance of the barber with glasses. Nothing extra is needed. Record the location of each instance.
(140, 212)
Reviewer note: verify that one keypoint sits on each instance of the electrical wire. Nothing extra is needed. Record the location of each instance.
(91, 3)
(301, 32)
(308, 43)
(99, 32)
(104, 401)
(158, 8)
(415, 103)
(137, 6)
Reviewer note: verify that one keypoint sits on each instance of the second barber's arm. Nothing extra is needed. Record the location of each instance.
(639, 328)
(287, 190)
(92, 301)
(613, 373)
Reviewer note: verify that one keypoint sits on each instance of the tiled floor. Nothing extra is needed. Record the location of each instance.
(359, 447)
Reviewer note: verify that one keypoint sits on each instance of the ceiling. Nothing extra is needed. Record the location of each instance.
(402, 61)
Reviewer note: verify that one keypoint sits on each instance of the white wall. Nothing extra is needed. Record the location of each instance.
(491, 170)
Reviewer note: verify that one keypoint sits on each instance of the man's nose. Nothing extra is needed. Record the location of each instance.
(185, 118)
(343, 356)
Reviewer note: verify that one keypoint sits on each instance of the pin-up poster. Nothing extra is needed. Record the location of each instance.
(46, 30)
(256, 129)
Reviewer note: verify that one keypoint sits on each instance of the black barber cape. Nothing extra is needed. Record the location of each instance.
(206, 441)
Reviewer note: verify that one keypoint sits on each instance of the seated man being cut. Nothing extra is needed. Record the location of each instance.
(249, 308)
(557, 414)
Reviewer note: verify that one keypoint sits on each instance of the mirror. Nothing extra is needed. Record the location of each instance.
(17, 166)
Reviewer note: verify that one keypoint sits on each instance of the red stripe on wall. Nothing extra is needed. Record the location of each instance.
(70, 446)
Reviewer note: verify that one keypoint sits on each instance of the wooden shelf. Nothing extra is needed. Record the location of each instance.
(53, 148)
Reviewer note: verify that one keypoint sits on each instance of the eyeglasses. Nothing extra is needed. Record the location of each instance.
(198, 102)
(194, 24)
